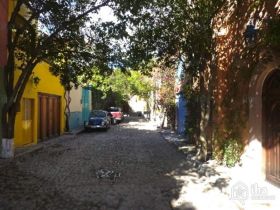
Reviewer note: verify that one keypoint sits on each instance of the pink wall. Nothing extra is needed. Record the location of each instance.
(3, 31)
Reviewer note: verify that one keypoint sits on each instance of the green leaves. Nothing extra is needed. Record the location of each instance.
(232, 150)
(273, 30)
(64, 34)
(171, 28)
(123, 84)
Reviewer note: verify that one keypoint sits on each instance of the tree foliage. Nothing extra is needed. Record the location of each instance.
(63, 33)
(165, 90)
(174, 29)
(123, 84)
(273, 31)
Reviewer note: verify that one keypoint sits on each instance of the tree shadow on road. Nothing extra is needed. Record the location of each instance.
(153, 174)
(197, 183)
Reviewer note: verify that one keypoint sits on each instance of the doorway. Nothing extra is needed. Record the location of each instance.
(49, 116)
(271, 126)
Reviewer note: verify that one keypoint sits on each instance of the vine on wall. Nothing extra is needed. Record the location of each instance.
(230, 134)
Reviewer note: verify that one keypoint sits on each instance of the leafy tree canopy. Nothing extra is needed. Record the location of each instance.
(64, 33)
(123, 84)
(168, 28)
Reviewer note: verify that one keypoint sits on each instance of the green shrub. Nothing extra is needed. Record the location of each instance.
(232, 150)
(273, 31)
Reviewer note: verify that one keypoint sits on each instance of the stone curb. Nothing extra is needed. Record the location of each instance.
(75, 131)
(42, 145)
(23, 151)
(28, 150)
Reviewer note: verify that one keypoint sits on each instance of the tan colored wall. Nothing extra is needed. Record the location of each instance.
(76, 97)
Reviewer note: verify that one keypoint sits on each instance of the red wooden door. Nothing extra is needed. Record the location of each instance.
(49, 116)
(272, 127)
(56, 113)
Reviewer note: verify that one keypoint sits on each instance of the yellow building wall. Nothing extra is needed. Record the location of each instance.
(23, 9)
(48, 84)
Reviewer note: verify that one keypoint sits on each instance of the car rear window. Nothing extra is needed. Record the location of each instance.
(98, 114)
(114, 109)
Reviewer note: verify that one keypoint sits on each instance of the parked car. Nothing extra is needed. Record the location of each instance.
(139, 114)
(98, 119)
(117, 114)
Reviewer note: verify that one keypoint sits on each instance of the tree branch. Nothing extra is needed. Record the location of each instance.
(69, 23)
(21, 83)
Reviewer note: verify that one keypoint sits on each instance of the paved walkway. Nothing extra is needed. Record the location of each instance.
(130, 167)
(218, 187)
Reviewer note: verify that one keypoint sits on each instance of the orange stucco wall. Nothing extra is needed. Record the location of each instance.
(236, 60)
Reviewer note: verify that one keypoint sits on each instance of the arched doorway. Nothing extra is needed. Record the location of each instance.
(271, 126)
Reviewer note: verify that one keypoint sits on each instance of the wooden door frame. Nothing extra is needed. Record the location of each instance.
(39, 115)
(255, 154)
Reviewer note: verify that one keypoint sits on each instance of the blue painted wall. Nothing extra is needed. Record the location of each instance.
(75, 121)
(181, 103)
(77, 118)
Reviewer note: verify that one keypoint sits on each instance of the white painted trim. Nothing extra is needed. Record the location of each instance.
(7, 148)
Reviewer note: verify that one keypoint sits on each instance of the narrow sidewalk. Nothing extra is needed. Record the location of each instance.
(29, 149)
(218, 186)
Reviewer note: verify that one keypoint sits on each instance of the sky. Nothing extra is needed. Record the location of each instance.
(105, 14)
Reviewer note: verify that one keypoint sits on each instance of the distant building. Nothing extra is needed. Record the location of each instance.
(137, 104)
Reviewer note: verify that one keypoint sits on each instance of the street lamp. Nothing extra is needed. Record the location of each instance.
(250, 33)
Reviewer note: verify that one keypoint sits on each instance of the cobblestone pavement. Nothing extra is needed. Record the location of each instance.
(154, 175)
(63, 175)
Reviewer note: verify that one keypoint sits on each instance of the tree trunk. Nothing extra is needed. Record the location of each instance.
(8, 122)
(163, 120)
(204, 119)
(171, 118)
(67, 110)
(14, 94)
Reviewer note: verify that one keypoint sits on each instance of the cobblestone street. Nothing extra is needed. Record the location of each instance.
(152, 174)
(63, 175)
